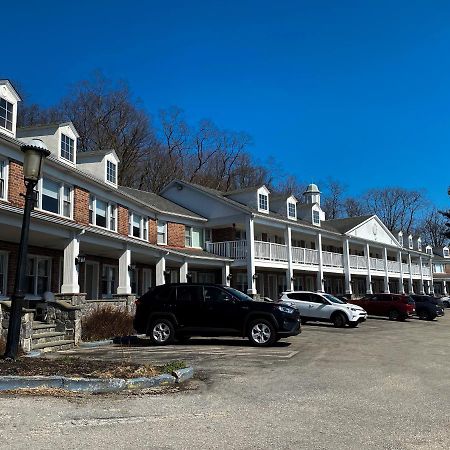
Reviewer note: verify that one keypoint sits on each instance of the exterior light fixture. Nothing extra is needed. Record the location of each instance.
(255, 276)
(132, 267)
(229, 276)
(80, 259)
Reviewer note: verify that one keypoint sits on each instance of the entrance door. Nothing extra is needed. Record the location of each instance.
(91, 280)
(272, 286)
(146, 280)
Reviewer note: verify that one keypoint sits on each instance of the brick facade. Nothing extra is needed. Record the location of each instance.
(175, 234)
(223, 234)
(81, 205)
(16, 185)
(122, 219)
(152, 231)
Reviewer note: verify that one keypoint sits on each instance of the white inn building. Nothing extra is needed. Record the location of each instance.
(90, 236)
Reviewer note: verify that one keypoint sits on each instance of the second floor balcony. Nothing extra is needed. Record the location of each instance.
(269, 251)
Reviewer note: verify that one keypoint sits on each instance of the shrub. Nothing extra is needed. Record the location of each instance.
(106, 322)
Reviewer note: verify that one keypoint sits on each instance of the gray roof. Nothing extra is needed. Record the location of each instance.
(159, 203)
(346, 224)
(439, 251)
(241, 191)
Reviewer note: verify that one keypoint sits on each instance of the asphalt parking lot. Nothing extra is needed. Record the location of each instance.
(382, 385)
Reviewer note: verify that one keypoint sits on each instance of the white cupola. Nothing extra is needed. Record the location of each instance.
(312, 194)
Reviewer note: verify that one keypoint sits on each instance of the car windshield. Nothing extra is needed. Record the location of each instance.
(240, 295)
(333, 299)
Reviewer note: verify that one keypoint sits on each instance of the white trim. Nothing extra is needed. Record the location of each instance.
(5, 178)
(164, 223)
(143, 226)
(109, 207)
(36, 258)
(62, 185)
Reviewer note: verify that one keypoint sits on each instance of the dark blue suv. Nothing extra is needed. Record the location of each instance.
(181, 310)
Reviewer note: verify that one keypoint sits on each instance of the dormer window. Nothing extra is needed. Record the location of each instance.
(316, 217)
(429, 250)
(400, 239)
(410, 242)
(419, 245)
(6, 114)
(292, 210)
(67, 147)
(446, 252)
(111, 172)
(263, 202)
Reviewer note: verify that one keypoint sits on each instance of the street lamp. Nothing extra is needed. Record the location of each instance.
(34, 154)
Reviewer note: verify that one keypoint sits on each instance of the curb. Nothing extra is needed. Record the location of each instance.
(94, 385)
(92, 344)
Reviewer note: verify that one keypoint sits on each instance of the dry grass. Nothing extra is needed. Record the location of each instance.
(106, 322)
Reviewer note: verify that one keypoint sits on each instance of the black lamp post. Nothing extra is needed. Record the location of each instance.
(32, 167)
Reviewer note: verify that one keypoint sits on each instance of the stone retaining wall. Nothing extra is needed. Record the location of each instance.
(26, 328)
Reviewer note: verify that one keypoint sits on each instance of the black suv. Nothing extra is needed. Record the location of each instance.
(427, 307)
(181, 310)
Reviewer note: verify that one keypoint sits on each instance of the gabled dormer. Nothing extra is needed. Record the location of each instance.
(446, 252)
(311, 213)
(254, 197)
(410, 242)
(60, 139)
(102, 164)
(419, 244)
(263, 199)
(400, 238)
(291, 208)
(9, 98)
(286, 207)
(429, 250)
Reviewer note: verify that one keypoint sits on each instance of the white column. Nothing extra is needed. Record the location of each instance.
(226, 274)
(410, 281)
(290, 269)
(369, 274)
(401, 287)
(422, 290)
(431, 277)
(386, 272)
(70, 270)
(320, 286)
(160, 268)
(444, 287)
(183, 272)
(124, 273)
(347, 274)
(250, 231)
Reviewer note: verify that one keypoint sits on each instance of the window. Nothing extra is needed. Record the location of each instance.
(55, 197)
(67, 147)
(190, 294)
(6, 114)
(419, 245)
(193, 237)
(3, 179)
(111, 174)
(3, 269)
(316, 218)
(207, 235)
(109, 276)
(216, 295)
(162, 232)
(38, 275)
(400, 239)
(429, 250)
(410, 242)
(292, 213)
(445, 252)
(137, 226)
(263, 202)
(102, 214)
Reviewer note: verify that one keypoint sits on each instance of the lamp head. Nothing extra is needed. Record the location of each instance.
(35, 152)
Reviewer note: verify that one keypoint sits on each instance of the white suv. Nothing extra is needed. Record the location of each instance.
(324, 308)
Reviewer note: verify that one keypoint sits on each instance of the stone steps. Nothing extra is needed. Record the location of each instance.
(65, 344)
(42, 328)
(45, 338)
(42, 338)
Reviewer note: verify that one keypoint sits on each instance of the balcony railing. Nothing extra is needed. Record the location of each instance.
(269, 251)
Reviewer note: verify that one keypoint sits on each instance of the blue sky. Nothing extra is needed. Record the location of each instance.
(355, 90)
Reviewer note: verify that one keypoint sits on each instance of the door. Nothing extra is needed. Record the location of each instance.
(272, 286)
(319, 307)
(301, 302)
(91, 280)
(190, 306)
(223, 311)
(146, 280)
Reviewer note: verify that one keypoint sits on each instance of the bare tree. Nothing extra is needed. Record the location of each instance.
(354, 207)
(398, 208)
(333, 203)
(432, 229)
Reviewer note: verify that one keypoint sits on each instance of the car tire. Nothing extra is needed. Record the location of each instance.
(353, 324)
(394, 315)
(447, 304)
(339, 320)
(161, 332)
(261, 333)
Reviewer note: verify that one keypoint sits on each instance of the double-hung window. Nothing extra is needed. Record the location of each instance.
(446, 252)
(193, 237)
(292, 210)
(55, 197)
(410, 242)
(67, 147)
(138, 226)
(111, 172)
(108, 280)
(162, 232)
(263, 202)
(3, 271)
(38, 275)
(6, 114)
(316, 218)
(102, 214)
(3, 179)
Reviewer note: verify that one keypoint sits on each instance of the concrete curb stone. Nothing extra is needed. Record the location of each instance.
(183, 374)
(93, 344)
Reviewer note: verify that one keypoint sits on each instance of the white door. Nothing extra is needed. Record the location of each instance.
(320, 307)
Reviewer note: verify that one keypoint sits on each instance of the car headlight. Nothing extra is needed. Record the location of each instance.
(286, 309)
(354, 309)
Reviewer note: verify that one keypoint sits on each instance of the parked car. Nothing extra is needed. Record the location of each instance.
(445, 301)
(324, 308)
(427, 308)
(182, 310)
(394, 306)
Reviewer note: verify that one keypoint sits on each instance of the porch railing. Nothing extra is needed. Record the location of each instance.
(228, 249)
(302, 255)
(358, 262)
(270, 251)
(331, 259)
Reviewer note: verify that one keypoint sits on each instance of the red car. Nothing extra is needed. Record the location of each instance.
(394, 306)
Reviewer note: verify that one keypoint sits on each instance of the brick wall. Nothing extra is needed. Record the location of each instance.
(152, 231)
(81, 206)
(122, 214)
(223, 234)
(16, 185)
(12, 250)
(175, 234)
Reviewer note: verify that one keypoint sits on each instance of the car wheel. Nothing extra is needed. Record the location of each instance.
(339, 320)
(161, 332)
(261, 333)
(394, 315)
(447, 304)
(353, 324)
